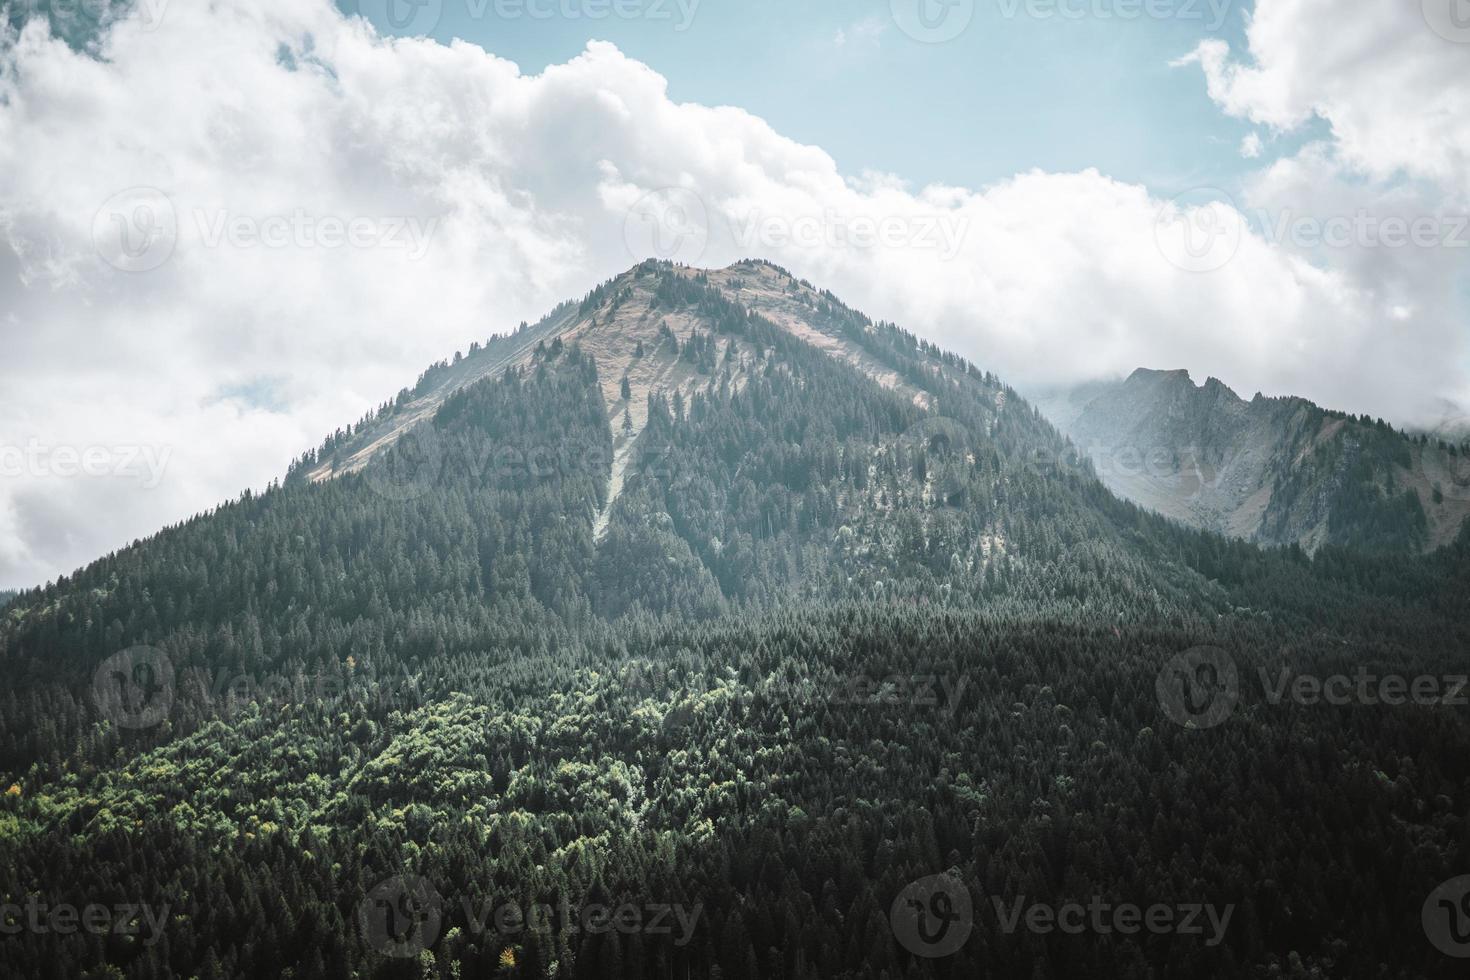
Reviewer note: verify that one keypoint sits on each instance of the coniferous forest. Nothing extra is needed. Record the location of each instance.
(535, 693)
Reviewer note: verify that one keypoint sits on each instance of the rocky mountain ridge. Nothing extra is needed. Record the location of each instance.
(1276, 471)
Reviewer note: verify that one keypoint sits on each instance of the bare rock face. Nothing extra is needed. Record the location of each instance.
(635, 336)
(1277, 471)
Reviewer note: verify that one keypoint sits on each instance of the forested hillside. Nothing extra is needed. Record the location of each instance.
(745, 635)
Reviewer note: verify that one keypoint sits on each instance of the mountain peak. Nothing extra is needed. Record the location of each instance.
(1155, 375)
(651, 331)
(1276, 470)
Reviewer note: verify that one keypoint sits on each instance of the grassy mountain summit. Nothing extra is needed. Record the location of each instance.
(709, 593)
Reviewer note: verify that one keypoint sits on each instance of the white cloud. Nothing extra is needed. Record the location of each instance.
(1395, 90)
(1250, 147)
(274, 116)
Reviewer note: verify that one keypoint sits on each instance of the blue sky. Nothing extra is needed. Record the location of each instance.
(1024, 86)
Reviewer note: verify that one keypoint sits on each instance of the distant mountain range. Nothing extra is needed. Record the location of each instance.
(1276, 471)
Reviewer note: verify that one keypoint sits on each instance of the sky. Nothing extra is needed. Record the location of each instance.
(1058, 86)
(227, 229)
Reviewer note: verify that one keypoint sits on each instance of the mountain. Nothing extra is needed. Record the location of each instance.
(805, 614)
(1276, 471)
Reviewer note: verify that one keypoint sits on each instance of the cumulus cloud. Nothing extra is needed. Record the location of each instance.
(231, 229)
(1391, 78)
